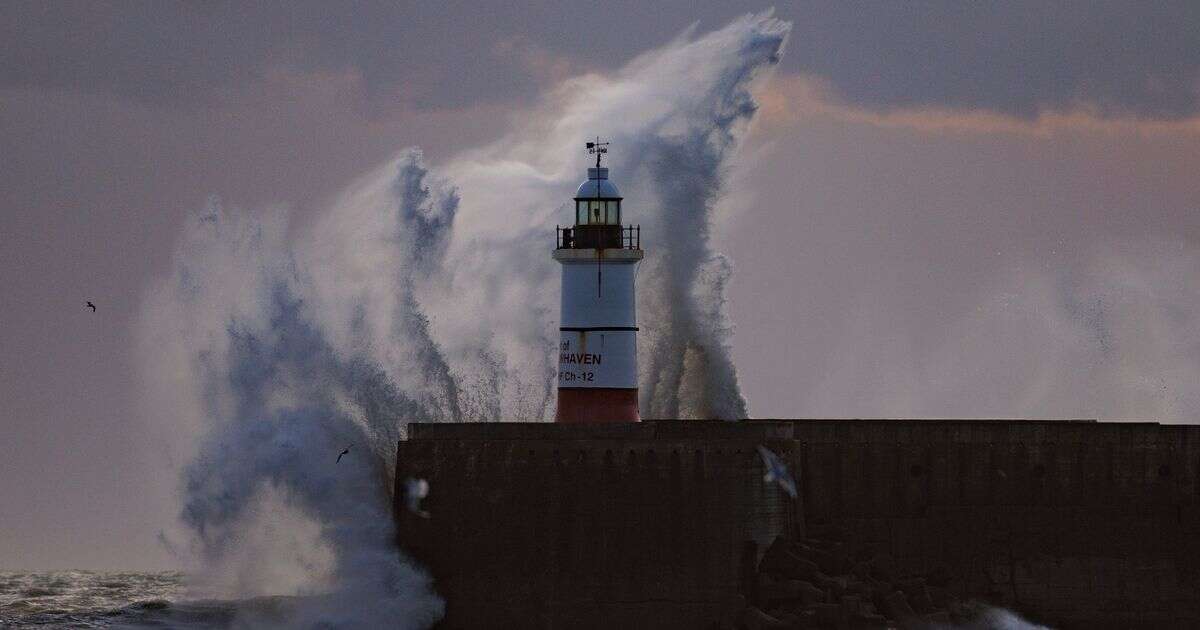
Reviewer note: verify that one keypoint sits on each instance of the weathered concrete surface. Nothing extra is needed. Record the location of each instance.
(1077, 524)
(577, 526)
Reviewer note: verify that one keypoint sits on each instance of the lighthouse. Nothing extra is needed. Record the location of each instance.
(597, 351)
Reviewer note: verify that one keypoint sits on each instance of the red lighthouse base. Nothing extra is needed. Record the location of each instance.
(594, 404)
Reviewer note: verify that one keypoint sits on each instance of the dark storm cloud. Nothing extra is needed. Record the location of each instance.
(1018, 58)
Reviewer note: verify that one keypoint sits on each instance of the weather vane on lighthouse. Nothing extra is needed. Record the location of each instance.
(597, 350)
(598, 148)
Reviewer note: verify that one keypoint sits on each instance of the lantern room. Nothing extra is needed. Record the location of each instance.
(598, 217)
(597, 202)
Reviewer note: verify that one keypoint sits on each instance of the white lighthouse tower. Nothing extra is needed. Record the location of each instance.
(597, 353)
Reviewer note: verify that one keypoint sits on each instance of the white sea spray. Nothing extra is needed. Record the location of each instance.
(428, 294)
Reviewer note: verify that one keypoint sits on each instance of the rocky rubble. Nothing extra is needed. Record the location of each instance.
(820, 583)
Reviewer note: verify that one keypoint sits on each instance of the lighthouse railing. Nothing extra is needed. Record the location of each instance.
(598, 236)
(631, 237)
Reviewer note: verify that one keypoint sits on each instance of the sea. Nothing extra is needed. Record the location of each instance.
(118, 599)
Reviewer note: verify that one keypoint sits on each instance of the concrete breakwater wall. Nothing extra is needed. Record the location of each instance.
(577, 526)
(661, 524)
(1077, 524)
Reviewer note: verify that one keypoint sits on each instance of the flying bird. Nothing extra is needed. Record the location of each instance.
(91, 306)
(777, 471)
(339, 459)
(414, 491)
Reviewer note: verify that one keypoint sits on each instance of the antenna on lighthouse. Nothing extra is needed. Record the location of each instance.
(598, 148)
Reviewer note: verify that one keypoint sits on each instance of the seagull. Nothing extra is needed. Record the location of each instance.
(91, 306)
(339, 459)
(414, 491)
(777, 471)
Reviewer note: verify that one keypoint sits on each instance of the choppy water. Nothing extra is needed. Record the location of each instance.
(94, 599)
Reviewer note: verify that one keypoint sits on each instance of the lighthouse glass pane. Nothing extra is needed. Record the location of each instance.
(581, 213)
(596, 215)
(614, 213)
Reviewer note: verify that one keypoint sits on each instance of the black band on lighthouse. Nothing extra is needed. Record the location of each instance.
(595, 328)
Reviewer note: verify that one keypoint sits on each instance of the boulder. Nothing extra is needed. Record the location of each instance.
(806, 619)
(835, 585)
(919, 599)
(852, 606)
(860, 588)
(828, 616)
(870, 622)
(771, 591)
(896, 606)
(802, 569)
(939, 596)
(827, 561)
(940, 617)
(755, 619)
(781, 561)
(810, 594)
(917, 593)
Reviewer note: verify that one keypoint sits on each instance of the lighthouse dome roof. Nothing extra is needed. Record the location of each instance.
(598, 186)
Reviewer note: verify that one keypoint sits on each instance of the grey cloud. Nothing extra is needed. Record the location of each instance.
(1018, 58)
(427, 54)
(1116, 57)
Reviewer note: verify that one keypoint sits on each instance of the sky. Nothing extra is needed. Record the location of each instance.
(939, 210)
